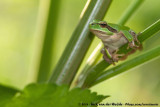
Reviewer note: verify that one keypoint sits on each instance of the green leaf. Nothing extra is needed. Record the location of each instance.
(6, 94)
(51, 95)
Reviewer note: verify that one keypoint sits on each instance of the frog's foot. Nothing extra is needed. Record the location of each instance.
(132, 45)
(106, 58)
(110, 61)
(124, 57)
(116, 58)
(140, 47)
(137, 40)
(135, 37)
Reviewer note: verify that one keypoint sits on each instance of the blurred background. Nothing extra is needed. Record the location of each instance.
(21, 33)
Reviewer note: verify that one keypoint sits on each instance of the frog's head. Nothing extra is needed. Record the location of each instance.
(96, 24)
(99, 27)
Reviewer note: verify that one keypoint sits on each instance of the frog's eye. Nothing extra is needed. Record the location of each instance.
(103, 25)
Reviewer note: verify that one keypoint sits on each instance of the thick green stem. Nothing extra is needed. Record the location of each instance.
(47, 47)
(155, 27)
(79, 43)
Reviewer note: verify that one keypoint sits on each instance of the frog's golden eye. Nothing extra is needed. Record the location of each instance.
(103, 25)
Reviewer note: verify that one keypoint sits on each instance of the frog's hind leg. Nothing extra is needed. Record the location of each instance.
(116, 56)
(107, 56)
(126, 55)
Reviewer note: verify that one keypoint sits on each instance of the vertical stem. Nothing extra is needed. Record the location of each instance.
(38, 40)
(46, 55)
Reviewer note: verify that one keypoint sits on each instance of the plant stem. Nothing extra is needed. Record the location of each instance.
(92, 60)
(130, 11)
(155, 27)
(47, 47)
(141, 59)
(79, 43)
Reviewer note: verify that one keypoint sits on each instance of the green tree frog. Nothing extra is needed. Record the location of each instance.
(113, 37)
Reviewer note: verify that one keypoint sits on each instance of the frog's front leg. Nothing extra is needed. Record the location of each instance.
(107, 56)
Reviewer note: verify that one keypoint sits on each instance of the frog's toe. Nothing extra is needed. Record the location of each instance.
(110, 61)
(132, 45)
(116, 58)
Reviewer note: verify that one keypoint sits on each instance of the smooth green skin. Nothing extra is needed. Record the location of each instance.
(117, 27)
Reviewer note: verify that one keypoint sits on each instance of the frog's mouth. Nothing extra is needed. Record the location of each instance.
(100, 34)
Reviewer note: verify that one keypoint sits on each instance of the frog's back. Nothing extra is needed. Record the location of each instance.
(118, 27)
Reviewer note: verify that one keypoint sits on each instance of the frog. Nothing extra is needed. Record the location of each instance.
(114, 36)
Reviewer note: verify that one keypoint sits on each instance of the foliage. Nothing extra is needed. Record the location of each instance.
(51, 95)
(6, 94)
